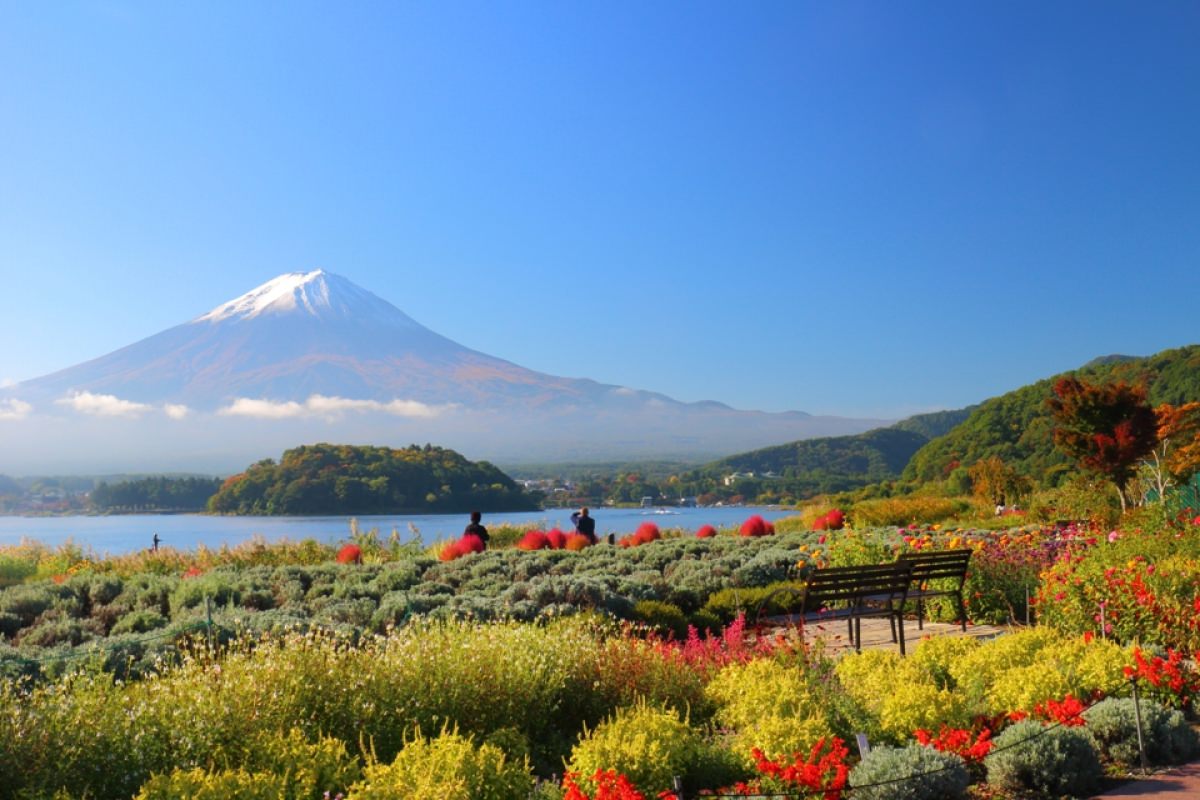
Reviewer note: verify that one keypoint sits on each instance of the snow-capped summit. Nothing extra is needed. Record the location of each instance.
(316, 293)
(312, 355)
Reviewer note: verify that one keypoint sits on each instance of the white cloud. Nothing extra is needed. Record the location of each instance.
(7, 382)
(14, 409)
(262, 409)
(103, 405)
(175, 410)
(319, 405)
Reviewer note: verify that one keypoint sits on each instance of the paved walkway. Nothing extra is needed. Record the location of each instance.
(1176, 783)
(877, 634)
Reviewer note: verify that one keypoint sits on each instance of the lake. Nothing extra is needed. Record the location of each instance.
(115, 535)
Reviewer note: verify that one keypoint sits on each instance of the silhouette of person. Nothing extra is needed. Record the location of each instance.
(156, 540)
(584, 524)
(475, 529)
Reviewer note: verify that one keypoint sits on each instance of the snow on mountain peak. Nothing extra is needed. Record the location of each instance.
(316, 293)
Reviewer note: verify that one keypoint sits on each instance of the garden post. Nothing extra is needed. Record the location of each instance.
(677, 785)
(208, 618)
(1137, 718)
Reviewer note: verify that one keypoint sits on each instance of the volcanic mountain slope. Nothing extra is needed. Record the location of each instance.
(303, 334)
(337, 363)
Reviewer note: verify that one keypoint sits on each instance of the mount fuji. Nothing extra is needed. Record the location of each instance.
(310, 356)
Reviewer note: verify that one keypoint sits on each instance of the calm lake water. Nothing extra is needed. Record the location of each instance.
(115, 535)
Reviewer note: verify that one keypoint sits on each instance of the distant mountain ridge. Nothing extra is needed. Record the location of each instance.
(841, 463)
(310, 356)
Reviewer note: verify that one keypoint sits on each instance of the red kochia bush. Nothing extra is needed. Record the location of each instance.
(705, 531)
(557, 539)
(833, 520)
(757, 526)
(350, 554)
(577, 541)
(470, 543)
(533, 540)
(646, 532)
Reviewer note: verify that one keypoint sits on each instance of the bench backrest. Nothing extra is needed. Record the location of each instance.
(940, 564)
(823, 587)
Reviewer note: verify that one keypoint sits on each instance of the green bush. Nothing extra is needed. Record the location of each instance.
(909, 773)
(646, 744)
(138, 622)
(1168, 737)
(446, 767)
(1045, 761)
(664, 618)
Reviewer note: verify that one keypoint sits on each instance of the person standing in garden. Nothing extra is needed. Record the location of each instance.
(475, 529)
(584, 524)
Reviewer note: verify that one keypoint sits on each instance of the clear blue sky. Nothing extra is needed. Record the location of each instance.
(837, 207)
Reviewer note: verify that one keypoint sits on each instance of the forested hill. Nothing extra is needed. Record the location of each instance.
(1017, 426)
(833, 464)
(345, 479)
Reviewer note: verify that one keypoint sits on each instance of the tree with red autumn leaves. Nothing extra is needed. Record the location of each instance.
(1107, 428)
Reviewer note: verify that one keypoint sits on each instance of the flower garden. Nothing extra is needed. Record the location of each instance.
(551, 669)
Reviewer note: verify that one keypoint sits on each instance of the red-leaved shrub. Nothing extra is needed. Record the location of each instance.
(833, 520)
(705, 531)
(557, 539)
(577, 541)
(533, 540)
(757, 526)
(470, 543)
(646, 532)
(350, 554)
(449, 552)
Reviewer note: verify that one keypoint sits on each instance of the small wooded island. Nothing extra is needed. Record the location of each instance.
(329, 479)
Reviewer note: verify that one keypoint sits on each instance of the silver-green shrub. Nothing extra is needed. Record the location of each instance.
(1047, 761)
(914, 772)
(1167, 736)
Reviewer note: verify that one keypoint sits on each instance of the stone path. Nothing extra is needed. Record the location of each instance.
(1175, 783)
(877, 634)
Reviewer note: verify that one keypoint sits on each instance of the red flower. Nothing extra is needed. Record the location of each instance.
(610, 785)
(824, 772)
(958, 741)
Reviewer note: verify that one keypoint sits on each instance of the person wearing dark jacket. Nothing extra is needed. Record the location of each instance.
(584, 524)
(475, 529)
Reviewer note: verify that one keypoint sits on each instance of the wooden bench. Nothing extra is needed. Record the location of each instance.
(853, 593)
(949, 567)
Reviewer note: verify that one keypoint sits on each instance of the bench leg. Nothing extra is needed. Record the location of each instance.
(962, 612)
(900, 627)
(857, 634)
(920, 614)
